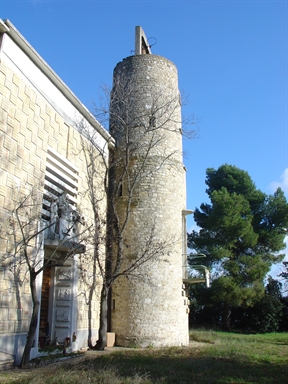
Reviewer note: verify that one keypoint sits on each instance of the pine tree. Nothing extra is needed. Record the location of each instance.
(241, 232)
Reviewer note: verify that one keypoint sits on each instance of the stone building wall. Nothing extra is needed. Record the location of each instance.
(30, 125)
(40, 117)
(150, 306)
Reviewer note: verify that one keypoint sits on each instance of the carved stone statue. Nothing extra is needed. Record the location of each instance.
(63, 219)
(54, 220)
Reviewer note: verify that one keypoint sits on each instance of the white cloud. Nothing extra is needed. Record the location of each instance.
(283, 183)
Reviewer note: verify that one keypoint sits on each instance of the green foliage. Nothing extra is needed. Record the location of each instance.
(203, 312)
(273, 288)
(284, 319)
(266, 315)
(241, 233)
(284, 274)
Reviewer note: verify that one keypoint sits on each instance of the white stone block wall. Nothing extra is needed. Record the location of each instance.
(30, 122)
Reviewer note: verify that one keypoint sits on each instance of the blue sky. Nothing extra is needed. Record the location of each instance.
(231, 58)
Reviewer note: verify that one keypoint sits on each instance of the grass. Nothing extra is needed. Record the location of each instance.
(212, 358)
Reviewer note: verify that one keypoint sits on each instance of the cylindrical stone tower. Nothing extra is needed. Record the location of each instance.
(149, 305)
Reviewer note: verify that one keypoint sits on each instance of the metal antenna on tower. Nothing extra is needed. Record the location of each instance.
(151, 45)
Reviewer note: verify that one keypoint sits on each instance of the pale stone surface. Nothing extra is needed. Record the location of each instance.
(110, 339)
(149, 309)
(35, 115)
(28, 124)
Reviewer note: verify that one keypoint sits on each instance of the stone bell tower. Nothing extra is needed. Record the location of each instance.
(149, 306)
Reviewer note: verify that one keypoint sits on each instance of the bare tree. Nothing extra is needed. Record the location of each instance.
(23, 229)
(95, 155)
(137, 138)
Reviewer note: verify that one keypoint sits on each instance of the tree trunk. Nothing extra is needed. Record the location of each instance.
(33, 322)
(102, 337)
(226, 317)
(91, 293)
(102, 342)
(90, 315)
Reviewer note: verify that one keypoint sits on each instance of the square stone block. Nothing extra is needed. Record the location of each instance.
(110, 336)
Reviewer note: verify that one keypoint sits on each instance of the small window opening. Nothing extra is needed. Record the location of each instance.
(120, 190)
(152, 121)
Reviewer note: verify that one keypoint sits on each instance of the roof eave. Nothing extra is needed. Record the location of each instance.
(7, 27)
